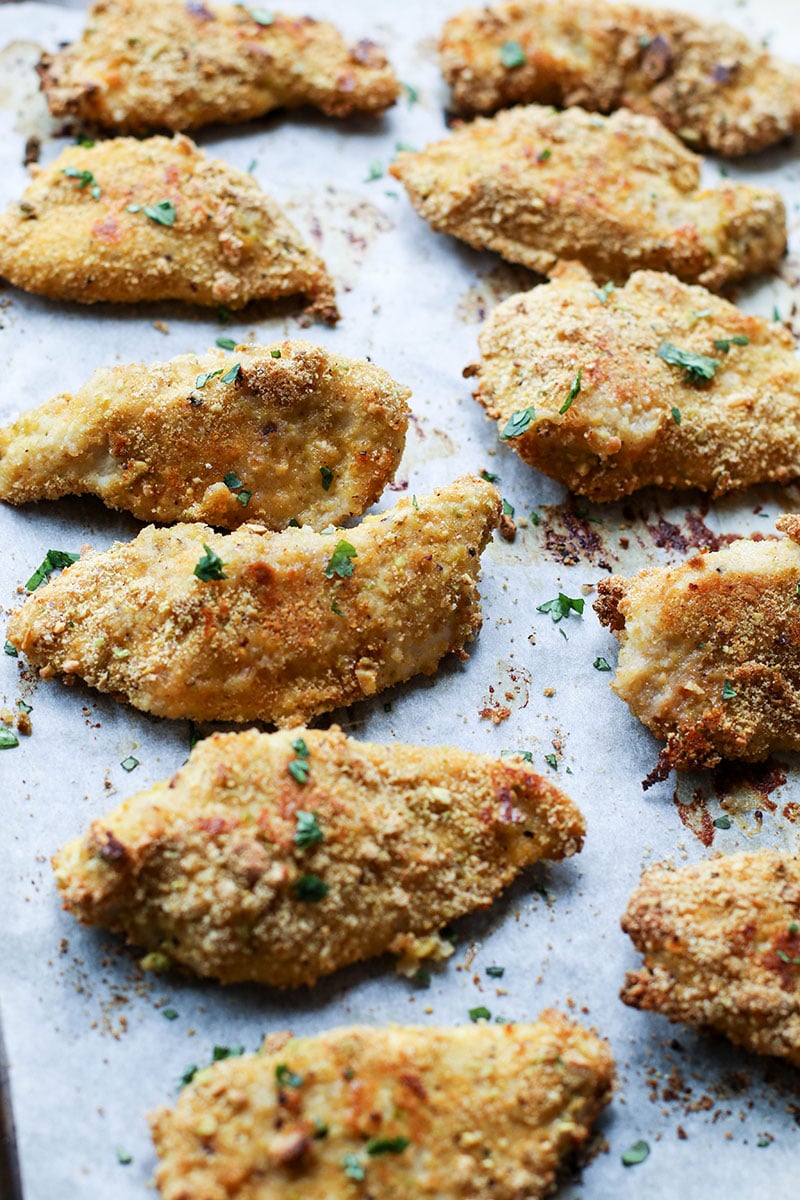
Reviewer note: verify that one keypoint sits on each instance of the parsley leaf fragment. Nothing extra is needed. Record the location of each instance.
(130, 763)
(353, 1168)
(54, 560)
(495, 972)
(697, 366)
(202, 380)
(299, 769)
(507, 509)
(722, 823)
(676, 415)
(489, 477)
(222, 1052)
(231, 374)
(551, 761)
(311, 888)
(287, 1078)
(326, 473)
(635, 1154)
(308, 832)
(83, 178)
(395, 1145)
(8, 739)
(601, 664)
(13, 652)
(562, 606)
(573, 392)
(728, 690)
(123, 1157)
(226, 343)
(163, 212)
(724, 344)
(232, 481)
(512, 55)
(210, 566)
(480, 1014)
(605, 291)
(340, 562)
(259, 15)
(518, 422)
(375, 172)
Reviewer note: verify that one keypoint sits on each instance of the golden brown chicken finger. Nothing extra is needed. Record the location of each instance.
(709, 653)
(702, 79)
(273, 434)
(618, 193)
(612, 389)
(156, 220)
(252, 625)
(189, 64)
(721, 946)
(445, 1114)
(281, 857)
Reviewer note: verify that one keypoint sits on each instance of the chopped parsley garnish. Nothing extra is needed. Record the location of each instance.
(222, 1052)
(311, 888)
(299, 769)
(375, 172)
(544, 155)
(508, 509)
(284, 1077)
(163, 213)
(226, 343)
(495, 972)
(260, 15)
(232, 374)
(635, 1154)
(573, 392)
(300, 748)
(601, 664)
(13, 652)
(8, 739)
(54, 560)
(415, 503)
(308, 832)
(405, 148)
(534, 518)
(480, 1014)
(421, 977)
(275, 354)
(395, 1145)
(412, 95)
(724, 344)
(697, 366)
(353, 1168)
(326, 473)
(83, 178)
(335, 609)
(210, 566)
(188, 1075)
(512, 55)
(728, 690)
(525, 755)
(794, 928)
(605, 291)
(340, 563)
(202, 380)
(170, 1014)
(551, 761)
(776, 316)
(232, 481)
(518, 422)
(130, 763)
(722, 823)
(489, 477)
(123, 1157)
(320, 1129)
(23, 707)
(676, 415)
(562, 606)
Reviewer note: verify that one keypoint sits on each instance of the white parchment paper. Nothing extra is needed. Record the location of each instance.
(89, 1046)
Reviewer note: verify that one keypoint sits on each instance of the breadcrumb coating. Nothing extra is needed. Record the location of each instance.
(144, 65)
(449, 1114)
(617, 193)
(703, 80)
(277, 627)
(610, 414)
(127, 221)
(721, 946)
(208, 869)
(307, 436)
(709, 651)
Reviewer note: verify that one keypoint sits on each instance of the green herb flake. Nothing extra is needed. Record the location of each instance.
(311, 888)
(728, 690)
(130, 763)
(335, 609)
(574, 390)
(422, 977)
(784, 957)
(353, 1168)
(8, 739)
(340, 563)
(605, 291)
(83, 179)
(231, 375)
(412, 95)
(415, 503)
(722, 823)
(54, 560)
(518, 422)
(188, 1075)
(508, 509)
(220, 1053)
(226, 343)
(480, 1014)
(202, 380)
(326, 474)
(86, 142)
(169, 1014)
(525, 755)
(308, 832)
(601, 664)
(562, 606)
(676, 415)
(275, 354)
(13, 652)
(299, 769)
(635, 1154)
(210, 566)
(123, 1157)
(395, 1145)
(551, 761)
(724, 344)
(232, 481)
(284, 1077)
(300, 748)
(320, 1129)
(260, 16)
(776, 316)
(244, 497)
(534, 518)
(544, 155)
(512, 55)
(163, 213)
(495, 972)
(23, 707)
(794, 928)
(375, 172)
(489, 477)
(697, 366)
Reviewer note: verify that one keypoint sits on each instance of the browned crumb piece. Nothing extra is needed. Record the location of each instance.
(612, 406)
(408, 1112)
(144, 65)
(282, 857)
(618, 193)
(708, 651)
(701, 79)
(274, 434)
(721, 946)
(125, 220)
(277, 626)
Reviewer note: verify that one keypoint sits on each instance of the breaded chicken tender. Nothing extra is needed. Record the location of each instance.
(721, 946)
(710, 651)
(609, 390)
(126, 221)
(701, 79)
(617, 193)
(448, 1114)
(278, 627)
(273, 434)
(281, 857)
(143, 65)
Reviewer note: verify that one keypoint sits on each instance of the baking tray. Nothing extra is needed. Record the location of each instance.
(89, 1048)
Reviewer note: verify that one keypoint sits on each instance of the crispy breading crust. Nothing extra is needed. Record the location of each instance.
(618, 193)
(73, 236)
(275, 640)
(636, 419)
(691, 634)
(721, 946)
(310, 435)
(481, 1110)
(204, 868)
(701, 79)
(143, 65)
